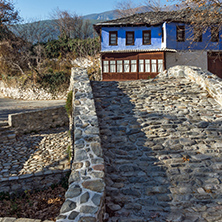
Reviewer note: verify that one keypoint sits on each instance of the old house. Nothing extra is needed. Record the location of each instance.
(142, 45)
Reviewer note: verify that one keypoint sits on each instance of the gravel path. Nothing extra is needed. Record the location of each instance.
(162, 145)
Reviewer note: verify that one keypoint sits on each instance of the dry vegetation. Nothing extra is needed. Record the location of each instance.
(38, 204)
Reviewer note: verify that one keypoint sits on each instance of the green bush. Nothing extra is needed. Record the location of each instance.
(78, 47)
(54, 81)
(68, 105)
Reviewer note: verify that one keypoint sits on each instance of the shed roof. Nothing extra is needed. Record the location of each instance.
(149, 19)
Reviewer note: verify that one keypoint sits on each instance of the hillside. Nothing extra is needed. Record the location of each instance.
(42, 27)
(48, 26)
(104, 16)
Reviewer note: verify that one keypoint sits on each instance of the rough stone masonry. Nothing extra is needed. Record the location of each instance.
(162, 148)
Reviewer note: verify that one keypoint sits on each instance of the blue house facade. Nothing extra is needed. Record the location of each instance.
(142, 45)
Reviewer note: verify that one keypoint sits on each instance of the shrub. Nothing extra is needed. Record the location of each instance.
(68, 105)
(53, 82)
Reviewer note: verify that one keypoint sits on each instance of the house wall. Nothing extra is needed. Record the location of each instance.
(194, 58)
(156, 38)
(164, 43)
(206, 44)
(149, 70)
(170, 38)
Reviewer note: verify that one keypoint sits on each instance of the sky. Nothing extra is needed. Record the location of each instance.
(41, 9)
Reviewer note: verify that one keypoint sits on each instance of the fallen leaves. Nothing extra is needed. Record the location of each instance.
(186, 159)
(44, 205)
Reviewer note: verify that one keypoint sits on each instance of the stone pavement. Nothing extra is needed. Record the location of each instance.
(35, 154)
(162, 147)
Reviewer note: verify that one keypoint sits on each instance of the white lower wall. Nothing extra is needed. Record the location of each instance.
(193, 58)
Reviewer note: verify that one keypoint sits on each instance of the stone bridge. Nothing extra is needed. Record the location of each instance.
(162, 146)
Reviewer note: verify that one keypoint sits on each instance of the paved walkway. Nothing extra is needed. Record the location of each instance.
(163, 151)
(9, 106)
(35, 154)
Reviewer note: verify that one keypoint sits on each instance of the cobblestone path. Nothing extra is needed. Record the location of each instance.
(163, 151)
(35, 153)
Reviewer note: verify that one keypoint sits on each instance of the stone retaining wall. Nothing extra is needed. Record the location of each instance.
(85, 196)
(210, 82)
(38, 120)
(33, 93)
(31, 181)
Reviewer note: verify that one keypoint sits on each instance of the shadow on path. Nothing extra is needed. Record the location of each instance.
(35, 153)
(136, 183)
(162, 147)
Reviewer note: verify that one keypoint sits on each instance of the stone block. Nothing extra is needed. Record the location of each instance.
(74, 177)
(88, 209)
(94, 185)
(81, 155)
(84, 198)
(73, 191)
(68, 206)
(26, 220)
(73, 215)
(9, 219)
(96, 148)
(87, 219)
(96, 199)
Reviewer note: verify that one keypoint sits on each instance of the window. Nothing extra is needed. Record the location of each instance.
(105, 66)
(113, 66)
(147, 37)
(141, 65)
(147, 65)
(197, 35)
(160, 65)
(126, 66)
(153, 65)
(129, 38)
(214, 34)
(162, 34)
(113, 38)
(119, 66)
(180, 33)
(133, 66)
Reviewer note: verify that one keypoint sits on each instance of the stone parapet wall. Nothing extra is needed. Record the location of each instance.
(208, 81)
(38, 120)
(86, 193)
(31, 181)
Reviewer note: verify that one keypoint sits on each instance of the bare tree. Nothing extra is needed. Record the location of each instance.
(126, 8)
(8, 14)
(153, 5)
(204, 13)
(87, 29)
(157, 5)
(71, 25)
(14, 56)
(34, 31)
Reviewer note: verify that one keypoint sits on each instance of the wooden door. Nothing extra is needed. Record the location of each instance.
(215, 63)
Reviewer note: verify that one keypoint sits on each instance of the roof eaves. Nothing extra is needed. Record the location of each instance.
(139, 50)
